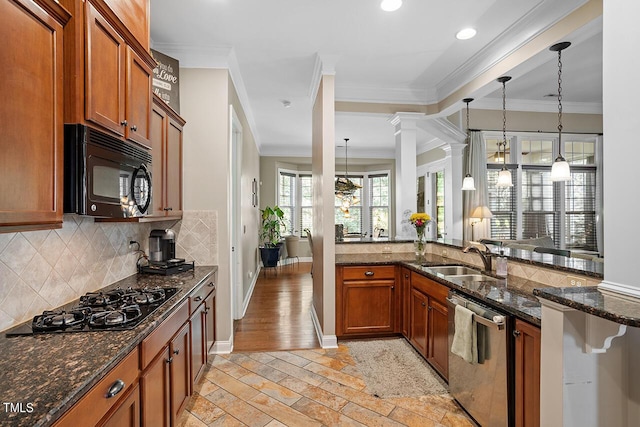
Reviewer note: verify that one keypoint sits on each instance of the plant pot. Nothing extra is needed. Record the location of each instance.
(270, 255)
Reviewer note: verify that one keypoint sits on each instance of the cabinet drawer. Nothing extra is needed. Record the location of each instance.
(370, 272)
(96, 403)
(433, 289)
(198, 295)
(152, 344)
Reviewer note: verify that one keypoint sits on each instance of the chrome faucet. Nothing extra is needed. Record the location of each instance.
(485, 255)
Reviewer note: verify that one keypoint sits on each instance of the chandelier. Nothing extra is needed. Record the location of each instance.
(345, 189)
(504, 176)
(468, 183)
(560, 170)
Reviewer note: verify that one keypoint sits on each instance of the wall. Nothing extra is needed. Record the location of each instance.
(249, 215)
(430, 157)
(206, 169)
(42, 270)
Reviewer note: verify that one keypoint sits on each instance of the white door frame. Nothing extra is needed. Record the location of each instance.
(235, 269)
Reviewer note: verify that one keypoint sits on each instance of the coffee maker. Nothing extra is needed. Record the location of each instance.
(162, 247)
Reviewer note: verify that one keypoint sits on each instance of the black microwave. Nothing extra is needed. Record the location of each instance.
(103, 175)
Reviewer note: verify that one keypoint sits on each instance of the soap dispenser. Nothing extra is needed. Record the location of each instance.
(501, 265)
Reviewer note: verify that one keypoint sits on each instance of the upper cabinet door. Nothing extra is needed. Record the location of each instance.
(138, 105)
(134, 14)
(105, 73)
(174, 168)
(31, 116)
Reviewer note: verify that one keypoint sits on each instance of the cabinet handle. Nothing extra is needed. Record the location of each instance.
(134, 128)
(167, 209)
(115, 388)
(211, 285)
(169, 360)
(198, 298)
(516, 333)
(368, 273)
(123, 123)
(424, 304)
(176, 351)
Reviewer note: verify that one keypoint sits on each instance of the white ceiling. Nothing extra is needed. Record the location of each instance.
(410, 56)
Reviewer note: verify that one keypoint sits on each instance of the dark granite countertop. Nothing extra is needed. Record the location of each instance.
(561, 263)
(599, 303)
(52, 372)
(513, 295)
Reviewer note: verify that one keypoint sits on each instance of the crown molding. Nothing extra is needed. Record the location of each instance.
(539, 106)
(442, 129)
(301, 151)
(325, 65)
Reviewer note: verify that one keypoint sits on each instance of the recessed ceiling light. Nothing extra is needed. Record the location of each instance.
(466, 33)
(390, 5)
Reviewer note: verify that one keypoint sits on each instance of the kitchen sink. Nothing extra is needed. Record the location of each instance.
(454, 270)
(471, 277)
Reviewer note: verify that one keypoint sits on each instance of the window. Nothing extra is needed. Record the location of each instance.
(440, 203)
(371, 213)
(535, 206)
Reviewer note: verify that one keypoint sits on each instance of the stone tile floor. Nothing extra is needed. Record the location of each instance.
(305, 388)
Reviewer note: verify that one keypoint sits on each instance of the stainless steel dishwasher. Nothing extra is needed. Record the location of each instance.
(481, 387)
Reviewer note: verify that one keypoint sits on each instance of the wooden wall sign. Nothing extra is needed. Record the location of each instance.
(166, 79)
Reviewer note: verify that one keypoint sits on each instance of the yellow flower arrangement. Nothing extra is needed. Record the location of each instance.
(420, 220)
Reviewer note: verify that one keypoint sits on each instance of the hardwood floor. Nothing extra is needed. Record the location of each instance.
(279, 314)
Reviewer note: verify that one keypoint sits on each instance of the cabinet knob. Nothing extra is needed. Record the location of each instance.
(368, 273)
(176, 351)
(198, 298)
(167, 209)
(406, 276)
(169, 360)
(393, 287)
(123, 123)
(134, 128)
(211, 285)
(424, 304)
(516, 333)
(206, 310)
(115, 388)
(429, 308)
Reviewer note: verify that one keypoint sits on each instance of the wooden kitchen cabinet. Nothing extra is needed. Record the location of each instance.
(366, 301)
(108, 77)
(166, 363)
(128, 412)
(135, 16)
(166, 148)
(527, 374)
(202, 319)
(98, 402)
(31, 118)
(405, 291)
(428, 323)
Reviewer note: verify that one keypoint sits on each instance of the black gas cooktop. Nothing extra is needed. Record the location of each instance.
(114, 310)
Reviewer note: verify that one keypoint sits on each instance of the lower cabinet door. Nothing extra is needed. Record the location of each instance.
(369, 307)
(156, 392)
(198, 342)
(418, 322)
(179, 372)
(210, 324)
(527, 376)
(128, 412)
(439, 337)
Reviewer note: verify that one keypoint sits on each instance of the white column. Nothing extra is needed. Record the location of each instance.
(453, 177)
(406, 184)
(620, 156)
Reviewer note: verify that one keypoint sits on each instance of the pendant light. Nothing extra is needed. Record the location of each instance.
(504, 176)
(468, 184)
(560, 170)
(344, 187)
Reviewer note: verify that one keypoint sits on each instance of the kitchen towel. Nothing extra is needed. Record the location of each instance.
(465, 336)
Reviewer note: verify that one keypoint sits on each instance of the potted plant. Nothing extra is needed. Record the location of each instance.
(272, 220)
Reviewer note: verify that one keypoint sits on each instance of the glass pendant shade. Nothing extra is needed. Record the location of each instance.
(560, 170)
(504, 178)
(468, 183)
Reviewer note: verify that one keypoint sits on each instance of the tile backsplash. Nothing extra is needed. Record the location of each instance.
(42, 270)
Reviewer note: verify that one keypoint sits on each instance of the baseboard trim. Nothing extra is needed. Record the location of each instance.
(222, 347)
(247, 298)
(326, 341)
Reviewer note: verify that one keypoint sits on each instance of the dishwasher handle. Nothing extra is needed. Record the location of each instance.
(498, 324)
